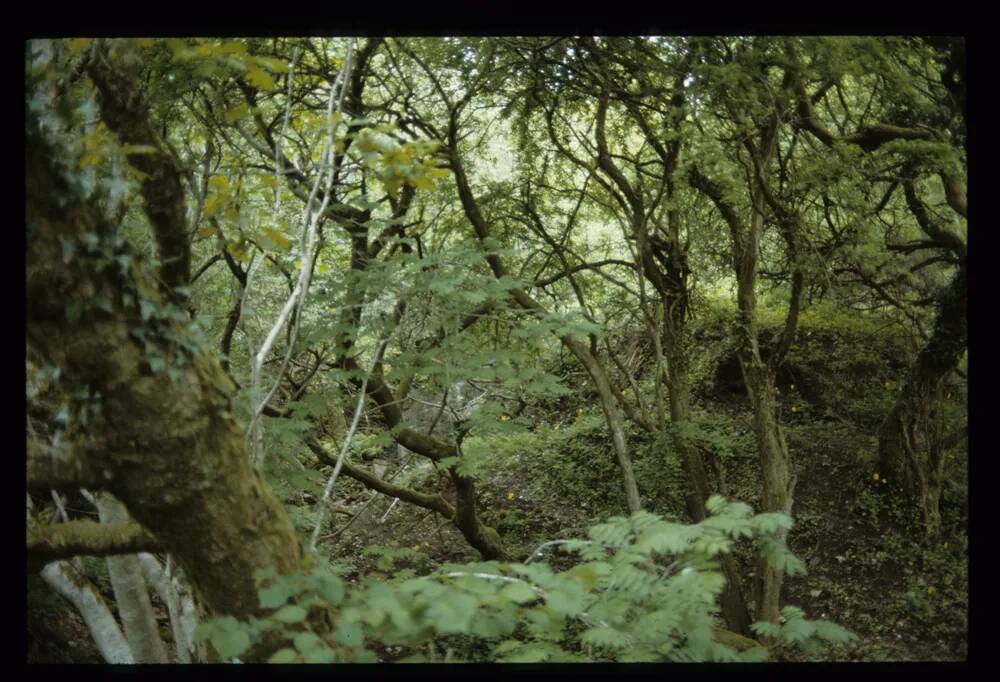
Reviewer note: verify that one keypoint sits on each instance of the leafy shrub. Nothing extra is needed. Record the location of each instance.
(643, 589)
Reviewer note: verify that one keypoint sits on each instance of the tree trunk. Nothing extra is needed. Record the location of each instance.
(79, 591)
(734, 605)
(911, 454)
(779, 482)
(131, 593)
(167, 446)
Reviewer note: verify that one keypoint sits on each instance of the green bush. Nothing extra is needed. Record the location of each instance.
(642, 589)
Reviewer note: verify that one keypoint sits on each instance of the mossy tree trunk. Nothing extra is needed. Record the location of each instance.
(911, 449)
(166, 445)
(758, 375)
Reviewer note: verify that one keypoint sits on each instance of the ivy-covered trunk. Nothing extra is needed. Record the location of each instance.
(911, 451)
(159, 432)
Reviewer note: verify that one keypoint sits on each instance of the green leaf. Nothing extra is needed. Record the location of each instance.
(348, 634)
(519, 593)
(291, 614)
(605, 637)
(230, 643)
(320, 654)
(766, 629)
(330, 587)
(569, 599)
(305, 641)
(284, 656)
(453, 613)
(275, 595)
(237, 113)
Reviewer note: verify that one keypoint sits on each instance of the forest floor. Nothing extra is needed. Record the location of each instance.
(867, 568)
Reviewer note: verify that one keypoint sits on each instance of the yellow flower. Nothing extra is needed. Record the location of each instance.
(510, 495)
(875, 476)
(794, 409)
(946, 545)
(416, 548)
(580, 411)
(888, 385)
(504, 418)
(931, 590)
(427, 544)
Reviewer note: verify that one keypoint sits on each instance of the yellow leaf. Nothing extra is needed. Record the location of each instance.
(269, 181)
(875, 476)
(204, 232)
(78, 45)
(422, 182)
(212, 205)
(510, 496)
(322, 267)
(218, 182)
(279, 240)
(260, 78)
(91, 159)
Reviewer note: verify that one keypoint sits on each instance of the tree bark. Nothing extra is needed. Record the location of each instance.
(911, 454)
(169, 447)
(131, 593)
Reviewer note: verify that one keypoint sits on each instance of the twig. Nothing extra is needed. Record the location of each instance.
(343, 448)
